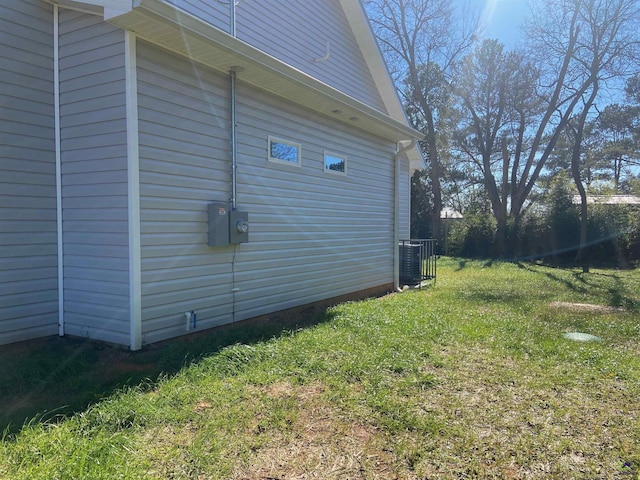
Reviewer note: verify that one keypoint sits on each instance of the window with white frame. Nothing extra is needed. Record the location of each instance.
(284, 151)
(335, 163)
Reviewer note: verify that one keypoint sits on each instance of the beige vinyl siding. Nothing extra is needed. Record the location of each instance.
(94, 178)
(28, 245)
(313, 235)
(213, 12)
(297, 32)
(184, 165)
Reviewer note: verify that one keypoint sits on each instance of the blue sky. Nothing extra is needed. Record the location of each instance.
(503, 19)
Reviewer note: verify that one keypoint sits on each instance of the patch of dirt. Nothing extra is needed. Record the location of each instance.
(586, 307)
(203, 406)
(322, 444)
(51, 376)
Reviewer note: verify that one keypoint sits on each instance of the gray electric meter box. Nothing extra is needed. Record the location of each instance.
(226, 226)
(218, 224)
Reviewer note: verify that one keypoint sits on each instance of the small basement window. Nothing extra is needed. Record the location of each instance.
(335, 163)
(284, 151)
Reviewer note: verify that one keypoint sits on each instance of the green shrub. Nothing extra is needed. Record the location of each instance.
(472, 236)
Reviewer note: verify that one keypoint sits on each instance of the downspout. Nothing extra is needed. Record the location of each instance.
(233, 73)
(232, 17)
(400, 150)
(56, 107)
(234, 180)
(133, 191)
(234, 139)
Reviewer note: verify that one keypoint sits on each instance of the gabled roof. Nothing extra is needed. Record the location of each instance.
(357, 18)
(161, 23)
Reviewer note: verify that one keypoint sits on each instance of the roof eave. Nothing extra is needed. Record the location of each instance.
(107, 8)
(165, 25)
(365, 37)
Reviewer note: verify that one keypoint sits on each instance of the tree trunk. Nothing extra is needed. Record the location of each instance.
(575, 172)
(501, 236)
(436, 190)
(502, 226)
(436, 174)
(578, 133)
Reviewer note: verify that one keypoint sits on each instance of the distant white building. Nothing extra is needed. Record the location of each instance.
(449, 212)
(608, 200)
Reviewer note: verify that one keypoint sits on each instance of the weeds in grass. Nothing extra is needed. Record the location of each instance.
(472, 379)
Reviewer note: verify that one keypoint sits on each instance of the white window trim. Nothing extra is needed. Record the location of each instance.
(285, 142)
(335, 155)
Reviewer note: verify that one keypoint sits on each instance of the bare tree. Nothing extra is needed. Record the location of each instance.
(421, 41)
(498, 105)
(518, 106)
(588, 43)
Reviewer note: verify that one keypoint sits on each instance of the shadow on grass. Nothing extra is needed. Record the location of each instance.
(607, 284)
(47, 379)
(617, 294)
(462, 264)
(585, 283)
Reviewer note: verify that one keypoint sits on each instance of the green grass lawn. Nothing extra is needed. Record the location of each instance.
(471, 378)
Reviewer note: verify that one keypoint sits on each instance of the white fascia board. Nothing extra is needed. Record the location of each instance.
(105, 8)
(122, 5)
(171, 28)
(111, 8)
(365, 38)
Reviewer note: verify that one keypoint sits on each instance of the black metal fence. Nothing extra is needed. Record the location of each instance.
(417, 261)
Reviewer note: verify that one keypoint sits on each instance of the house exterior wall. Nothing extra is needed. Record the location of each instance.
(314, 234)
(273, 26)
(28, 245)
(94, 178)
(215, 13)
(310, 26)
(184, 165)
